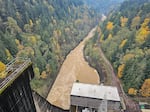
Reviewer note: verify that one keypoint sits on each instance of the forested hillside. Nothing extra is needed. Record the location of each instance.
(125, 39)
(45, 31)
(103, 6)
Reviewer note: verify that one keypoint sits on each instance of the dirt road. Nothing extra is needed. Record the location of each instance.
(130, 105)
(74, 68)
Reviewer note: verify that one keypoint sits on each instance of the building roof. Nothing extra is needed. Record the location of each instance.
(95, 91)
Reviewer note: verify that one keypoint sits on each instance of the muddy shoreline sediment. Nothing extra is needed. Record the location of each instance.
(74, 68)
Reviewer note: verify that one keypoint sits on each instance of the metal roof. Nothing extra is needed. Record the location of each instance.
(95, 91)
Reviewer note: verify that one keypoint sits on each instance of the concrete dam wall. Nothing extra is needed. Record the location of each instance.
(42, 105)
(17, 97)
(15, 91)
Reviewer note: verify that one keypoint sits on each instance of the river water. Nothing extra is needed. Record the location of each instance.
(74, 68)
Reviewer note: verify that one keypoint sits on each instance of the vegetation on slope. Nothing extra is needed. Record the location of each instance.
(103, 6)
(93, 56)
(45, 31)
(125, 39)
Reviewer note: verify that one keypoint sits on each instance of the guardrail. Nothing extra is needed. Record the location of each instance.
(15, 68)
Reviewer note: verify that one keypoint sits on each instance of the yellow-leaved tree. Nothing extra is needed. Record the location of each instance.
(2, 67)
(143, 32)
(33, 39)
(19, 45)
(109, 25)
(2, 70)
(31, 23)
(109, 36)
(9, 56)
(145, 90)
(123, 43)
(128, 57)
(123, 21)
(43, 75)
(120, 70)
(37, 72)
(132, 91)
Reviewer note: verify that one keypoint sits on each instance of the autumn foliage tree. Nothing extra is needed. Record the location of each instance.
(127, 57)
(43, 75)
(2, 70)
(123, 43)
(132, 91)
(123, 21)
(2, 67)
(143, 32)
(9, 56)
(45, 31)
(129, 49)
(109, 25)
(145, 90)
(120, 70)
(109, 36)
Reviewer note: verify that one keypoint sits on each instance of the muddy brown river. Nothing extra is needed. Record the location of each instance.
(74, 68)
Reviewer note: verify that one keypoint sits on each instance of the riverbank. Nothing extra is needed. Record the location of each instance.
(74, 68)
(93, 56)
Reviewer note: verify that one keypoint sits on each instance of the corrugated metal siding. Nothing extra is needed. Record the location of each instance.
(93, 103)
(85, 102)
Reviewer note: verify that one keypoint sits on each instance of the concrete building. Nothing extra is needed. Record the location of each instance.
(92, 98)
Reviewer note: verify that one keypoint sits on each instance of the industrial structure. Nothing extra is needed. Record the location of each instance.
(16, 94)
(15, 91)
(94, 98)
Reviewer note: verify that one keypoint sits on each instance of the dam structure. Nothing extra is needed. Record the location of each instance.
(15, 90)
(16, 94)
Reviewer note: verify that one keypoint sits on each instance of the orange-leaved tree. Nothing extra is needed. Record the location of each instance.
(132, 91)
(109, 25)
(43, 75)
(145, 90)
